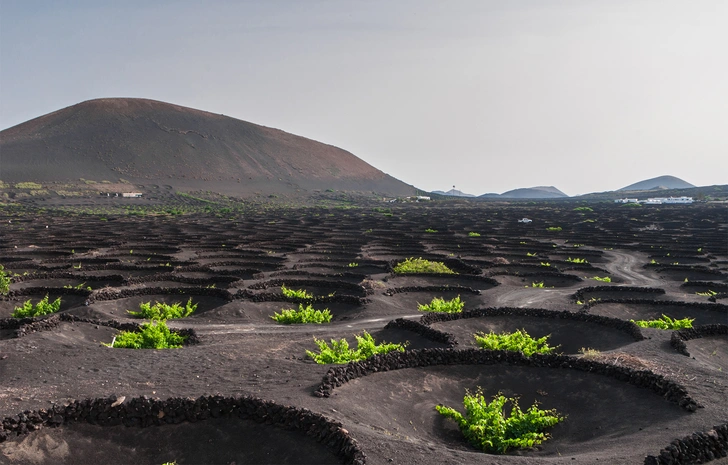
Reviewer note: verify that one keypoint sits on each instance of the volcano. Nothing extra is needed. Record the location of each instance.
(150, 142)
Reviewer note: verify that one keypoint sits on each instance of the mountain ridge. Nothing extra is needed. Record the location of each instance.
(537, 192)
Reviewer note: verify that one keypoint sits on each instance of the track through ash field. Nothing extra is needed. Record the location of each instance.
(232, 265)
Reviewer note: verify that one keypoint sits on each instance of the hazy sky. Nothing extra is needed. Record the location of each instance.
(484, 95)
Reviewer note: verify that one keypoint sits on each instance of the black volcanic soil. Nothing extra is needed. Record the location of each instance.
(231, 264)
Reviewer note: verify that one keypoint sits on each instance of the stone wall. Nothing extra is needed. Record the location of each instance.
(579, 295)
(615, 323)
(26, 326)
(423, 330)
(660, 303)
(678, 338)
(114, 294)
(145, 412)
(337, 376)
(290, 283)
(700, 447)
(42, 290)
(461, 289)
(276, 297)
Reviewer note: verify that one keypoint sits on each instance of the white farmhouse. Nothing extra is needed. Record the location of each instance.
(682, 199)
(668, 200)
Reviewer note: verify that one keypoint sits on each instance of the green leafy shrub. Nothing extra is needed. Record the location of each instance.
(154, 335)
(4, 281)
(486, 426)
(162, 311)
(303, 315)
(353, 265)
(665, 322)
(296, 293)
(443, 306)
(419, 265)
(28, 185)
(709, 293)
(577, 260)
(339, 352)
(430, 230)
(583, 209)
(473, 234)
(518, 341)
(43, 307)
(539, 284)
(605, 279)
(554, 229)
(545, 264)
(79, 286)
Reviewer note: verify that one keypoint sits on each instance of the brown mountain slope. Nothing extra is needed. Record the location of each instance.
(146, 141)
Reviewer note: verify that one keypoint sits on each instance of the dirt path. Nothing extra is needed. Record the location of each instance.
(530, 297)
(628, 267)
(369, 324)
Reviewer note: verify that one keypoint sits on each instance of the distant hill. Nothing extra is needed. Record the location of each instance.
(539, 192)
(146, 141)
(699, 193)
(453, 193)
(660, 182)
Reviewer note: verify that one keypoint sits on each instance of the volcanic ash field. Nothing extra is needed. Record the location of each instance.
(243, 390)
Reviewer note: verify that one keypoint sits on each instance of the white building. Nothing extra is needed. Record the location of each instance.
(682, 199)
(668, 200)
(626, 201)
(525, 220)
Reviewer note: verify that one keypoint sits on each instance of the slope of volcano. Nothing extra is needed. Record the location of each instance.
(151, 142)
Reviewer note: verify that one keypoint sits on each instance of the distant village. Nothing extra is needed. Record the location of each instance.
(133, 195)
(649, 201)
(657, 200)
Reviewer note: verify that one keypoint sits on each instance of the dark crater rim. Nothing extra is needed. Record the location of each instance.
(679, 338)
(579, 294)
(699, 447)
(340, 375)
(25, 326)
(145, 412)
(614, 323)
